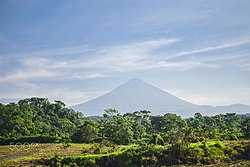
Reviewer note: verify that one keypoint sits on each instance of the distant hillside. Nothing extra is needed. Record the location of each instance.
(234, 108)
(95, 118)
(137, 95)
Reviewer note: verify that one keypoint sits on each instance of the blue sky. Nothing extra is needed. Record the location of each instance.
(198, 50)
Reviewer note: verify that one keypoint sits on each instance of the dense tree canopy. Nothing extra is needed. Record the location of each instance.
(39, 117)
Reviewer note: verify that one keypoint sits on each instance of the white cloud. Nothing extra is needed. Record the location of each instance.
(130, 55)
(45, 63)
(65, 51)
(209, 49)
(138, 56)
(88, 76)
(134, 56)
(117, 58)
(217, 96)
(245, 67)
(141, 57)
(23, 75)
(232, 59)
(184, 65)
(68, 96)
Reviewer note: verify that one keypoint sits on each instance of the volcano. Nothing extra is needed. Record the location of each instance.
(137, 95)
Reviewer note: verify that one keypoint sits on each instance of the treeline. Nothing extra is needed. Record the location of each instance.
(140, 126)
(37, 118)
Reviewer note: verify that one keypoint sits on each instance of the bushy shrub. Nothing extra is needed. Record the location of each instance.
(157, 139)
(156, 155)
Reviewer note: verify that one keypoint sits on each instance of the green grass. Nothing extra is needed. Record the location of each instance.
(217, 152)
(47, 151)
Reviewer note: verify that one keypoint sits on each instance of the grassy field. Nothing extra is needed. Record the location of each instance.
(29, 155)
(21, 155)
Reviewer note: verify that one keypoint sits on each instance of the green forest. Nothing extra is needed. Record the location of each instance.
(131, 139)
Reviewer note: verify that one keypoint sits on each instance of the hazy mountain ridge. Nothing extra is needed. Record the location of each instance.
(235, 108)
(138, 95)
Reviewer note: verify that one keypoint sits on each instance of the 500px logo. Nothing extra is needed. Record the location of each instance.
(22, 146)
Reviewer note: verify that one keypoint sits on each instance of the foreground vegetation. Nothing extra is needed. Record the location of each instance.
(131, 139)
(107, 154)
